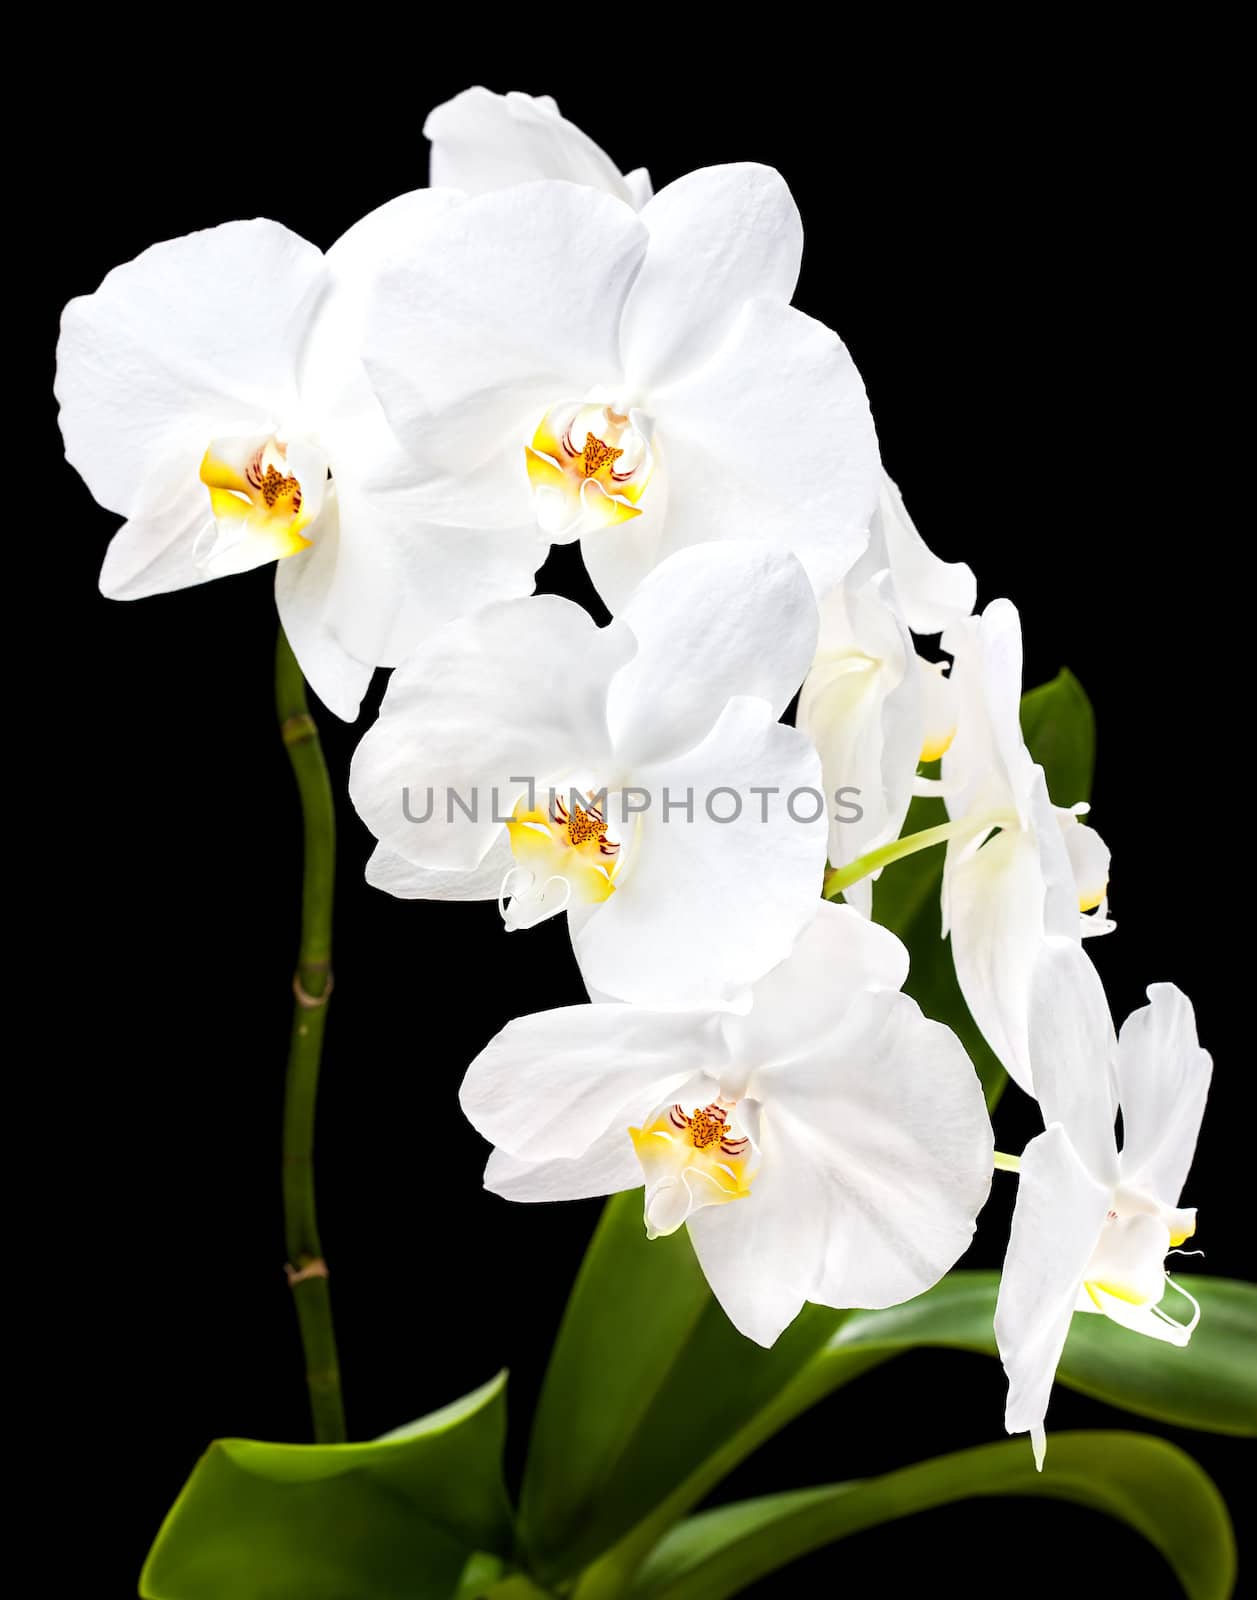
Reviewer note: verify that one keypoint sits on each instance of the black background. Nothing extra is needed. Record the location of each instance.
(1030, 273)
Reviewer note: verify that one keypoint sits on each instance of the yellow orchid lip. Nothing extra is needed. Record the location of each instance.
(690, 1161)
(589, 466)
(1115, 1291)
(565, 839)
(258, 499)
(935, 748)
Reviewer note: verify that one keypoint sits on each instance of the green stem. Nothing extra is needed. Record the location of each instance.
(839, 878)
(312, 987)
(1005, 1163)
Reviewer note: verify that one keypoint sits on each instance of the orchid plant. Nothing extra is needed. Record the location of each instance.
(538, 349)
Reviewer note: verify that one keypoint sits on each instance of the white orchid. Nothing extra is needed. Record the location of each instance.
(566, 366)
(1093, 1225)
(208, 388)
(1019, 870)
(831, 1146)
(625, 775)
(874, 710)
(483, 141)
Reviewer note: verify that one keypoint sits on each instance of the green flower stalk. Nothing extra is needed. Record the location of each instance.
(312, 988)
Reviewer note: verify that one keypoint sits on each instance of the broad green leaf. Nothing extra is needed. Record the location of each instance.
(1151, 1485)
(627, 1410)
(1059, 728)
(627, 1439)
(1211, 1385)
(396, 1519)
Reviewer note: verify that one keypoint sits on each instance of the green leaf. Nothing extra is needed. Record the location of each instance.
(1059, 728)
(1212, 1384)
(626, 1412)
(626, 1439)
(1152, 1486)
(396, 1519)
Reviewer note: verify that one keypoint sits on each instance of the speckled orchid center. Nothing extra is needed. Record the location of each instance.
(589, 466)
(256, 497)
(691, 1161)
(1126, 1277)
(564, 854)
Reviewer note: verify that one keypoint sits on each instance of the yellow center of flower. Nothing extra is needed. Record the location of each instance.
(689, 1162)
(707, 1127)
(589, 466)
(597, 455)
(275, 488)
(255, 498)
(566, 838)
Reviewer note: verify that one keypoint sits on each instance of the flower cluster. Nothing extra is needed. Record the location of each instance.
(537, 349)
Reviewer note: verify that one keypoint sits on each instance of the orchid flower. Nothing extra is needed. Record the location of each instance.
(561, 364)
(207, 390)
(633, 776)
(1018, 870)
(1093, 1225)
(482, 141)
(874, 710)
(833, 1145)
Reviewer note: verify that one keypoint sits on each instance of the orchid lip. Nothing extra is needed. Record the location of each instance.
(589, 464)
(261, 503)
(559, 839)
(691, 1160)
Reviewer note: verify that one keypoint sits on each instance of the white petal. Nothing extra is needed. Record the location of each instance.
(400, 573)
(1163, 1080)
(197, 337)
(760, 1254)
(620, 558)
(934, 594)
(1088, 858)
(483, 141)
(838, 956)
(608, 1166)
(549, 1085)
(1128, 1263)
(157, 551)
(994, 901)
(705, 907)
(718, 237)
(399, 877)
(639, 187)
(1057, 1220)
(772, 439)
(863, 706)
(987, 763)
(301, 585)
(1073, 1054)
(711, 622)
(334, 386)
(888, 1111)
(508, 305)
(517, 691)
